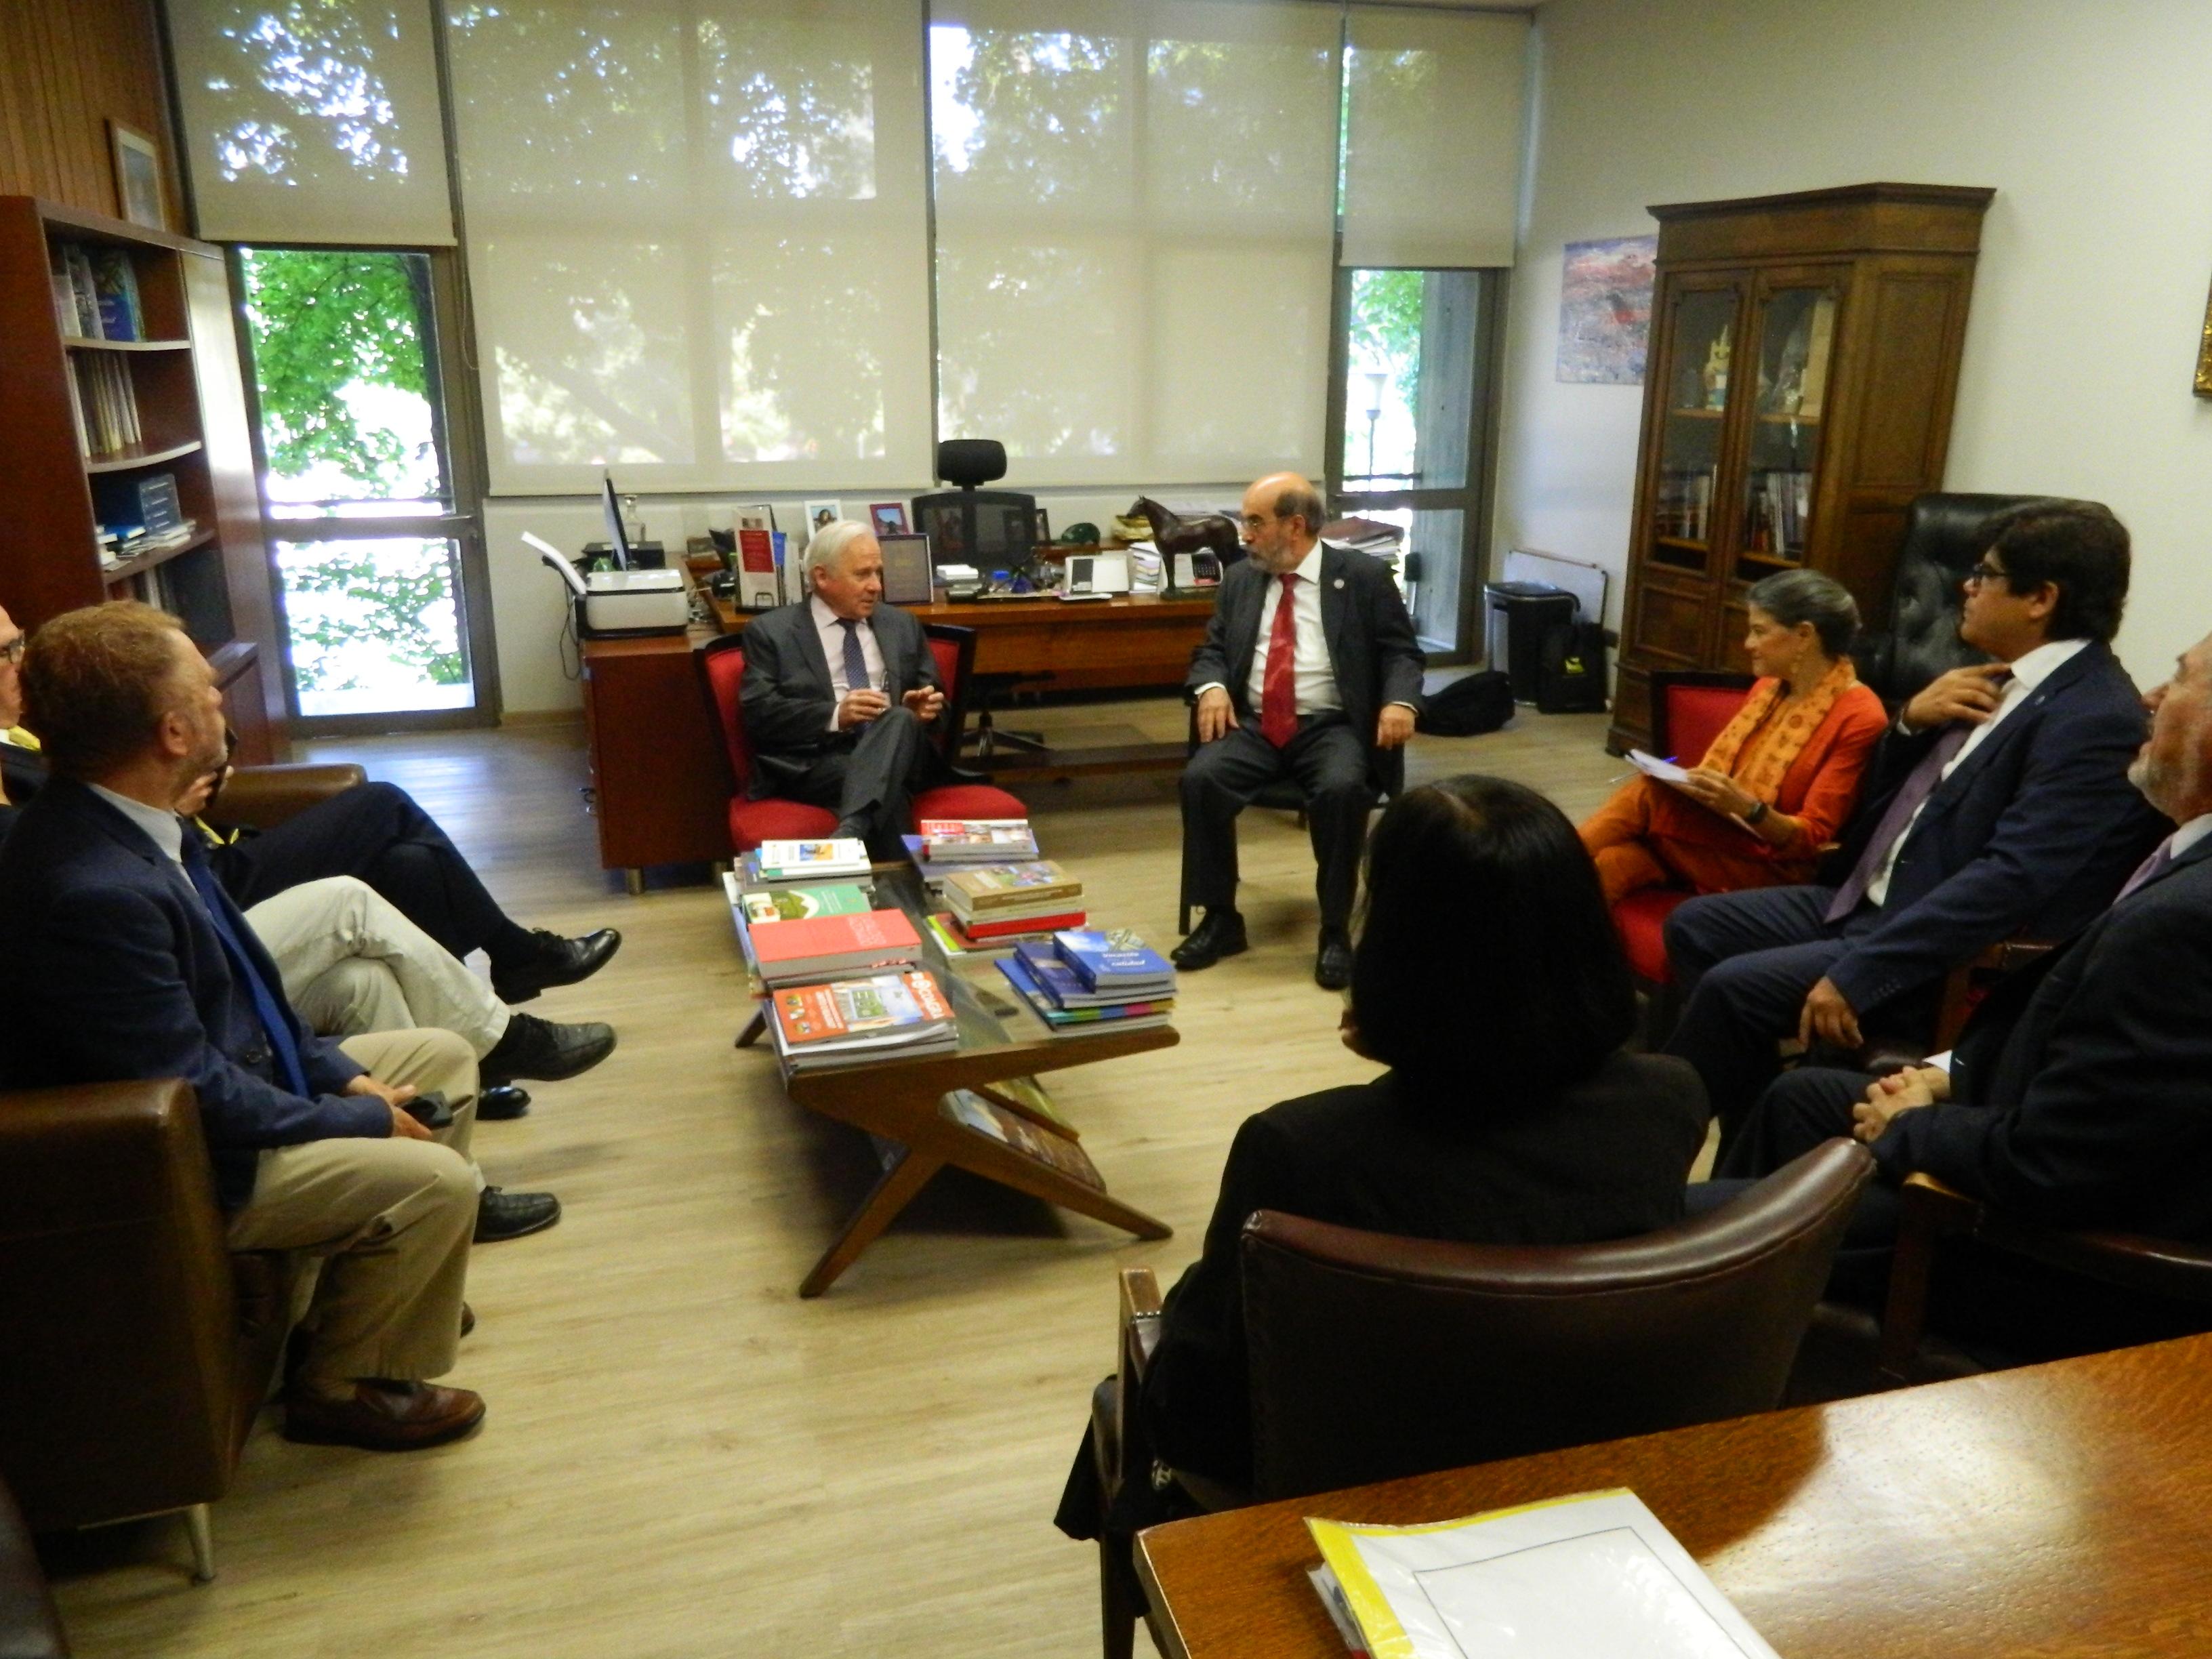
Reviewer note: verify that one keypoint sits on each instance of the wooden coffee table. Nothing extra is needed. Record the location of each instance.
(901, 1102)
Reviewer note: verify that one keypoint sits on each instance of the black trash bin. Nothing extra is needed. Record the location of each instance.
(1521, 614)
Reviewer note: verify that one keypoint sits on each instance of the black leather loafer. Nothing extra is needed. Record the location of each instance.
(554, 961)
(500, 1102)
(501, 1214)
(544, 1050)
(1220, 933)
(1333, 961)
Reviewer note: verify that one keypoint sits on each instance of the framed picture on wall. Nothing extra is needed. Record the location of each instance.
(887, 518)
(137, 176)
(2205, 355)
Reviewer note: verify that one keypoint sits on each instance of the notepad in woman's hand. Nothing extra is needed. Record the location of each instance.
(1652, 767)
(1592, 1576)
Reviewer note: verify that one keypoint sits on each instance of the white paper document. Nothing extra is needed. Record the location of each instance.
(1595, 1576)
(1652, 767)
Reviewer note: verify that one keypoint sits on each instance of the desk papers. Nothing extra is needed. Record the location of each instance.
(1591, 1577)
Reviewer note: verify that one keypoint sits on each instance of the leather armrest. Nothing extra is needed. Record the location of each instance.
(263, 797)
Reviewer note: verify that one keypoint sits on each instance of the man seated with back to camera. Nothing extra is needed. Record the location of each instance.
(1998, 803)
(1488, 978)
(2079, 1094)
(126, 959)
(1310, 673)
(837, 690)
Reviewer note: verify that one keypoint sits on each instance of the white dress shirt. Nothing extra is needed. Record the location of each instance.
(165, 830)
(1315, 677)
(830, 626)
(2027, 672)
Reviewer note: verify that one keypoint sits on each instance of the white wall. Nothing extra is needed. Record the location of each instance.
(2091, 121)
(526, 603)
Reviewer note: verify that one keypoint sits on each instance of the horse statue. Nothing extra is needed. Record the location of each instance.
(1214, 532)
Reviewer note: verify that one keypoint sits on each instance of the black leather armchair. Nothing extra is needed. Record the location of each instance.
(1921, 638)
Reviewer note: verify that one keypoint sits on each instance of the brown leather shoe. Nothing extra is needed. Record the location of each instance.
(383, 1416)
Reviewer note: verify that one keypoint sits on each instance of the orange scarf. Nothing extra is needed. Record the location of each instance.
(1801, 718)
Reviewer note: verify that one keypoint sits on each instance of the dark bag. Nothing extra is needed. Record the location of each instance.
(1468, 706)
(1571, 680)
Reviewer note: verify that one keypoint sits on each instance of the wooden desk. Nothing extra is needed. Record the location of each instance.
(2057, 1511)
(660, 786)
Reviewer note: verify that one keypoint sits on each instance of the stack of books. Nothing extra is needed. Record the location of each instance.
(989, 905)
(974, 841)
(1083, 981)
(1147, 574)
(804, 861)
(849, 1022)
(810, 948)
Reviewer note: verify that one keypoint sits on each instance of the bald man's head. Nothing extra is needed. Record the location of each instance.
(1283, 516)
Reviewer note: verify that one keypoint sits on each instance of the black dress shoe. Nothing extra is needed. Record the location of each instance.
(1333, 961)
(501, 1214)
(544, 1050)
(554, 961)
(1220, 933)
(500, 1102)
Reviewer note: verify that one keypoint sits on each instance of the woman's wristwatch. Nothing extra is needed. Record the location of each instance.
(1758, 811)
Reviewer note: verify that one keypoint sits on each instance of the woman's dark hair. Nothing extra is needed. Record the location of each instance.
(1792, 597)
(2079, 548)
(1485, 953)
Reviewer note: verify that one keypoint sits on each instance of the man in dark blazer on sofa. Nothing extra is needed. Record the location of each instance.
(1309, 672)
(1997, 803)
(836, 691)
(2080, 1095)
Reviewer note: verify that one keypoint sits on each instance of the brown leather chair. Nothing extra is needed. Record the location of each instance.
(30, 1626)
(1374, 1357)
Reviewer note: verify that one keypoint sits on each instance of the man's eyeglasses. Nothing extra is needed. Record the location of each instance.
(1984, 572)
(1256, 521)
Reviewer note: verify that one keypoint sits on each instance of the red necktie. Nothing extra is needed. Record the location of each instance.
(1278, 689)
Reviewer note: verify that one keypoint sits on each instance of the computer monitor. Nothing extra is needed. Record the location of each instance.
(991, 529)
(617, 535)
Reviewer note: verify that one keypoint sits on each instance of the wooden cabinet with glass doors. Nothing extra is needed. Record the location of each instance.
(1803, 359)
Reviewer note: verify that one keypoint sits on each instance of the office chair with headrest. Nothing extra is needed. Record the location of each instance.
(992, 529)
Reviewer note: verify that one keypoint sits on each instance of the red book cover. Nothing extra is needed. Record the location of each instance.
(756, 551)
(887, 931)
(980, 928)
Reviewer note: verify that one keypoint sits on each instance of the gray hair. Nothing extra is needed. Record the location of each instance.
(828, 544)
(1792, 597)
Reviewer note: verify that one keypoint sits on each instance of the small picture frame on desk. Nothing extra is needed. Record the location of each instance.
(887, 518)
(1040, 532)
(908, 578)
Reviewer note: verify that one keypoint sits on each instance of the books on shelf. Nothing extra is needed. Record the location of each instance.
(105, 403)
(849, 1021)
(844, 898)
(809, 948)
(1080, 1021)
(1685, 507)
(1001, 889)
(115, 291)
(805, 861)
(1589, 1574)
(96, 293)
(975, 841)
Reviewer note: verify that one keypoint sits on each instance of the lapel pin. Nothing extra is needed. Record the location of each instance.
(1339, 582)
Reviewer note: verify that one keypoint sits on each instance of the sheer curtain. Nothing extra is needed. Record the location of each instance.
(1135, 204)
(697, 241)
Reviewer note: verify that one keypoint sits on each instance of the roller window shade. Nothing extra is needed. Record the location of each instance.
(313, 121)
(1134, 219)
(697, 241)
(1432, 157)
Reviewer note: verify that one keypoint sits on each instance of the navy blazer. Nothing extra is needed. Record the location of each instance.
(2082, 1091)
(110, 970)
(1372, 648)
(2034, 832)
(786, 695)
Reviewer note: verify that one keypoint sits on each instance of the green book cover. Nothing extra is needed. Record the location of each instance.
(843, 898)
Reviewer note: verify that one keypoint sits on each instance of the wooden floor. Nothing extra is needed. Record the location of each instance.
(681, 1457)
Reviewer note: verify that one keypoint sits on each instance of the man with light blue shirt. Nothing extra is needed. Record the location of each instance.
(1997, 805)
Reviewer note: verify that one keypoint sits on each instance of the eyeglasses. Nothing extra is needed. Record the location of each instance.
(1256, 521)
(1984, 572)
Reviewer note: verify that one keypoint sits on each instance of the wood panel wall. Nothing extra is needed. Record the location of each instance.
(66, 67)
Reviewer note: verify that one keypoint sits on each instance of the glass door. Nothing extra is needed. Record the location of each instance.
(1794, 331)
(1685, 495)
(366, 523)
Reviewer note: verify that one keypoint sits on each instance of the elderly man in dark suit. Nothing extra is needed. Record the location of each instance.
(1998, 803)
(1309, 672)
(2080, 1093)
(836, 691)
(125, 958)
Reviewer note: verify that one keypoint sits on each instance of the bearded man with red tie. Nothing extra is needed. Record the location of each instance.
(1997, 805)
(1310, 673)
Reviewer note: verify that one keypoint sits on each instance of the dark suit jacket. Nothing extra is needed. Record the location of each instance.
(2035, 831)
(1371, 646)
(2082, 1088)
(110, 970)
(1605, 1159)
(787, 694)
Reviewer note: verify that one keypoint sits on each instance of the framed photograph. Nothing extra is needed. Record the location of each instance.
(1041, 534)
(137, 176)
(2205, 355)
(907, 577)
(887, 518)
(819, 514)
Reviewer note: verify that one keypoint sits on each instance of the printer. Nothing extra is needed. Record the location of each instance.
(620, 601)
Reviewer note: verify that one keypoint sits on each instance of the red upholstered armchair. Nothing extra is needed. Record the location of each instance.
(1689, 706)
(722, 664)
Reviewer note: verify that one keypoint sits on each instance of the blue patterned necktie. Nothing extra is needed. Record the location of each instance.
(274, 1024)
(856, 660)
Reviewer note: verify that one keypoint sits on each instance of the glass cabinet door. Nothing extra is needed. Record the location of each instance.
(1794, 332)
(1685, 489)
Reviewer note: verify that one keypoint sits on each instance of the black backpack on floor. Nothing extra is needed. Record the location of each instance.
(1571, 679)
(1469, 706)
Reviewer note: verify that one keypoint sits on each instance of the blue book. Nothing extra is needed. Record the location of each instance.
(1119, 1016)
(1114, 962)
(1059, 981)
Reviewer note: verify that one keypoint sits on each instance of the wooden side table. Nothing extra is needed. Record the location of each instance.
(660, 784)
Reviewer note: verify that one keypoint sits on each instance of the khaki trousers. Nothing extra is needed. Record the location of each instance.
(392, 1220)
